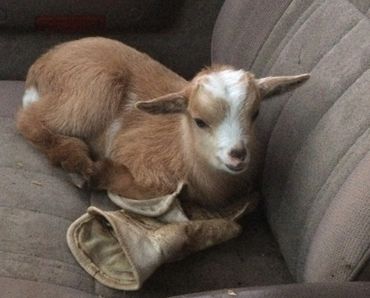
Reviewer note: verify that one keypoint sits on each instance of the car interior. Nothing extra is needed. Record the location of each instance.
(310, 235)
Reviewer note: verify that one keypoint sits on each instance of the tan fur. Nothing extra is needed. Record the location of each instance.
(88, 86)
(210, 110)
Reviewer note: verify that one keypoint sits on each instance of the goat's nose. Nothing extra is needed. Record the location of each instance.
(238, 153)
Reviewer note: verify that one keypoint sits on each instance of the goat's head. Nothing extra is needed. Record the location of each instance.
(221, 105)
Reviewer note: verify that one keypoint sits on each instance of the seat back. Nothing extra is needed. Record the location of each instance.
(316, 139)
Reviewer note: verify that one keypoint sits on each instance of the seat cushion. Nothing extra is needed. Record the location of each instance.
(304, 290)
(38, 204)
(316, 139)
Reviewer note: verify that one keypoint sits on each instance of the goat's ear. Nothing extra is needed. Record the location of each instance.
(170, 103)
(271, 85)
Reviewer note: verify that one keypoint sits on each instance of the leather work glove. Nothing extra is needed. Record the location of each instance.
(121, 249)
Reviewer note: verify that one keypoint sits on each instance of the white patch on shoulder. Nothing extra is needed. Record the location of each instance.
(110, 135)
(30, 96)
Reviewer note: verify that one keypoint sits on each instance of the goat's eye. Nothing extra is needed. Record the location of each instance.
(200, 123)
(255, 115)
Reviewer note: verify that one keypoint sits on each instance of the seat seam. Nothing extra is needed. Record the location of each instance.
(331, 201)
(339, 158)
(272, 30)
(294, 34)
(331, 197)
(323, 115)
(46, 283)
(234, 35)
(269, 34)
(291, 95)
(317, 123)
(361, 262)
(31, 171)
(363, 13)
(51, 175)
(215, 28)
(43, 258)
(37, 211)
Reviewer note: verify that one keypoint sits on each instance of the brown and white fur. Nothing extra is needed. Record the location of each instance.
(127, 124)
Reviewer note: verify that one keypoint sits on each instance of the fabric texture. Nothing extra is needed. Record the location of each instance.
(38, 204)
(304, 290)
(315, 140)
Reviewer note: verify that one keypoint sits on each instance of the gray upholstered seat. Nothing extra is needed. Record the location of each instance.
(314, 174)
(316, 139)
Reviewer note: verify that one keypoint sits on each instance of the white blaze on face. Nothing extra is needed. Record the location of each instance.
(228, 85)
(30, 96)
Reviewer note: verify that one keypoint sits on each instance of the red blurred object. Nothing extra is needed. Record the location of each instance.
(71, 23)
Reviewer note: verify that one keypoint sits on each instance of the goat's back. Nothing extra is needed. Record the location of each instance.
(84, 84)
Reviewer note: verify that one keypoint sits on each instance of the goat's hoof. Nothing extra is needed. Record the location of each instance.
(77, 180)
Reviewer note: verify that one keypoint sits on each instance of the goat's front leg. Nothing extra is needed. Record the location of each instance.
(71, 153)
(116, 178)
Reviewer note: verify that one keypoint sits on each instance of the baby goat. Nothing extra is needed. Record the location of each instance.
(128, 124)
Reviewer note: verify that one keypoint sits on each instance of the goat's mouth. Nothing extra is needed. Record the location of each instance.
(231, 167)
(236, 168)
